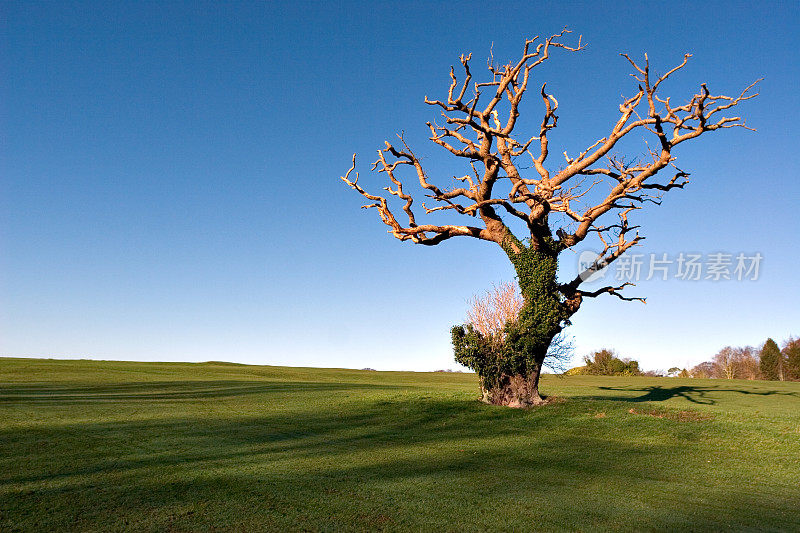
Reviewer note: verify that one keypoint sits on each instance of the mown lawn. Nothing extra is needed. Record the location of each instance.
(114, 446)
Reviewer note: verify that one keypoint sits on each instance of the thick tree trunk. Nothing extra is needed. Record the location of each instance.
(509, 367)
(539, 321)
(515, 391)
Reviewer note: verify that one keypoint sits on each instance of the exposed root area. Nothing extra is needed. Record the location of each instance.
(517, 404)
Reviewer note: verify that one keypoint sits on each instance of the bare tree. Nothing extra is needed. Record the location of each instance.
(726, 363)
(747, 363)
(551, 202)
(730, 363)
(705, 369)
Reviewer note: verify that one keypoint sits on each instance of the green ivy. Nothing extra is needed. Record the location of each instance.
(526, 340)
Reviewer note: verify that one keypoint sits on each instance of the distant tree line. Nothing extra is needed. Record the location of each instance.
(769, 363)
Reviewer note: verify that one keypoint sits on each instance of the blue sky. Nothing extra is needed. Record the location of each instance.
(169, 177)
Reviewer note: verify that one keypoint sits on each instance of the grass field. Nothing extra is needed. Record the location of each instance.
(112, 446)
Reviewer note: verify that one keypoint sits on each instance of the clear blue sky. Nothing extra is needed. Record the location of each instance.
(169, 176)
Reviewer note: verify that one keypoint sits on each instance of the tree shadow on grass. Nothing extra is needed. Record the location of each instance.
(694, 394)
(307, 432)
(422, 463)
(146, 391)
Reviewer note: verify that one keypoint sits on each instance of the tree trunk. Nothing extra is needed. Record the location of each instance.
(515, 391)
(539, 321)
(509, 369)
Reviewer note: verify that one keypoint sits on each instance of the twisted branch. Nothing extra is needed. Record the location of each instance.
(475, 132)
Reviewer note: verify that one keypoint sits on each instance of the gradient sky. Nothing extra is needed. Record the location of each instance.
(169, 176)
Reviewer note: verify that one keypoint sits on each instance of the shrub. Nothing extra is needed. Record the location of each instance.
(605, 363)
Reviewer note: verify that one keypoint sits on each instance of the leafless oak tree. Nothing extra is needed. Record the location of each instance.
(478, 127)
(736, 363)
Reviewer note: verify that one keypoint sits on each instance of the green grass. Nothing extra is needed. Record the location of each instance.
(113, 446)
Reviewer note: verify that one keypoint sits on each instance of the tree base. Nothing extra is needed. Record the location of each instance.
(520, 392)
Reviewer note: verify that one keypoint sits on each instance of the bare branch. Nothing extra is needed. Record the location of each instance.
(613, 291)
(413, 232)
(475, 132)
